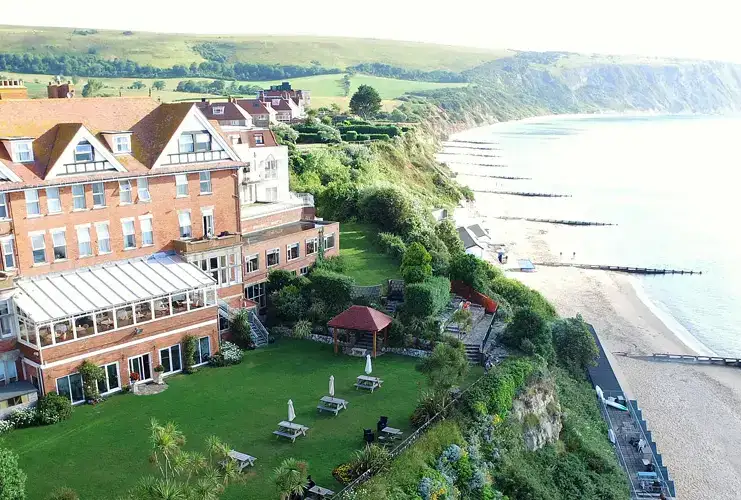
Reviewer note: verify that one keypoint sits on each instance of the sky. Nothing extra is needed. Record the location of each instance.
(701, 30)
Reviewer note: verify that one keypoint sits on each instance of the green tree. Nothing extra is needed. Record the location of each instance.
(158, 85)
(91, 374)
(415, 265)
(12, 478)
(345, 85)
(447, 232)
(335, 108)
(575, 346)
(464, 319)
(290, 478)
(278, 279)
(365, 102)
(239, 326)
(138, 85)
(473, 271)
(63, 493)
(445, 368)
(92, 88)
(529, 331)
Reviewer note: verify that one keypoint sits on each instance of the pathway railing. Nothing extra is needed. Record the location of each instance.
(406, 443)
(259, 331)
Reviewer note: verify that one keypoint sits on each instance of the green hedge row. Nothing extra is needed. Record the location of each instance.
(427, 298)
(390, 130)
(379, 137)
(308, 138)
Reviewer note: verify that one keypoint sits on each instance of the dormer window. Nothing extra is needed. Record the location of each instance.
(276, 102)
(83, 152)
(122, 144)
(259, 140)
(22, 151)
(218, 110)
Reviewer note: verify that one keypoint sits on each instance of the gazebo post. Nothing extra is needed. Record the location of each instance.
(386, 337)
(374, 342)
(334, 334)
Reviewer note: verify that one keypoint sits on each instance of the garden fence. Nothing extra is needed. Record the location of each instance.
(401, 447)
(370, 292)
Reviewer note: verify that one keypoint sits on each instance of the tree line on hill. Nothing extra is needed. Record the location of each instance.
(91, 65)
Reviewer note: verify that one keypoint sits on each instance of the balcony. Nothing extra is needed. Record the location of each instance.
(196, 157)
(206, 244)
(87, 167)
(262, 209)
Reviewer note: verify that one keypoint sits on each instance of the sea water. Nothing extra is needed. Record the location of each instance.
(670, 183)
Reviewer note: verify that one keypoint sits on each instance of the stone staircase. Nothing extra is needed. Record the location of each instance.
(259, 332)
(473, 354)
(365, 342)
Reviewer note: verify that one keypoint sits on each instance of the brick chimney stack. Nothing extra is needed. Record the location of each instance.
(12, 89)
(58, 90)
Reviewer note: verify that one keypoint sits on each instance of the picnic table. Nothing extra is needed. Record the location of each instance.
(320, 492)
(369, 383)
(243, 460)
(392, 433)
(290, 430)
(332, 404)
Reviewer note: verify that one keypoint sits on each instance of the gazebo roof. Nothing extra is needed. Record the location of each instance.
(361, 318)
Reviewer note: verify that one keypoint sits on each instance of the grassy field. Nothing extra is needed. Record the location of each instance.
(325, 89)
(160, 49)
(364, 262)
(102, 451)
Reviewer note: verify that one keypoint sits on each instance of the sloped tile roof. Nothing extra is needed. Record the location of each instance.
(361, 318)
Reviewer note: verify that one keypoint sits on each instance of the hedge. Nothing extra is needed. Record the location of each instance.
(306, 129)
(390, 130)
(379, 137)
(308, 138)
(333, 288)
(427, 298)
(363, 137)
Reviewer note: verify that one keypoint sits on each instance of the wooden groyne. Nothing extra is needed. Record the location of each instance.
(463, 146)
(506, 177)
(621, 269)
(523, 193)
(475, 142)
(458, 162)
(558, 221)
(479, 155)
(686, 358)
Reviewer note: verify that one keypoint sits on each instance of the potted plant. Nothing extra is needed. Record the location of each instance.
(134, 379)
(159, 374)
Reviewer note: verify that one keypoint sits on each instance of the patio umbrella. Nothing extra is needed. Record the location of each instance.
(368, 366)
(291, 412)
(331, 385)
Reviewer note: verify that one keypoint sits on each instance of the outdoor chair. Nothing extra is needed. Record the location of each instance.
(368, 435)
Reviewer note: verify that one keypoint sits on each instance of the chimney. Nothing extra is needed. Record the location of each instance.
(12, 89)
(57, 90)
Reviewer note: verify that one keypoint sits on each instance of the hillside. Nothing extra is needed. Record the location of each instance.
(161, 49)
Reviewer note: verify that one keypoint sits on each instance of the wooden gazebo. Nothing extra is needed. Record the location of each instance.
(361, 318)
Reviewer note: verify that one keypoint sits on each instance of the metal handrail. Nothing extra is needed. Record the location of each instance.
(261, 336)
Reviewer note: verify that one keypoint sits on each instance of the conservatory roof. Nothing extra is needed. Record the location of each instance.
(60, 295)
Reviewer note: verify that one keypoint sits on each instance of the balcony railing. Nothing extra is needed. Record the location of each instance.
(206, 244)
(261, 209)
(87, 166)
(197, 157)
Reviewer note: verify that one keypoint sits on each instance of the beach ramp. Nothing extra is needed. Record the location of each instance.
(525, 265)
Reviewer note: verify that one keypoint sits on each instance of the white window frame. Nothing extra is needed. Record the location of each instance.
(8, 252)
(208, 221)
(151, 367)
(22, 151)
(217, 110)
(82, 231)
(271, 168)
(84, 145)
(199, 354)
(259, 139)
(198, 136)
(31, 236)
(33, 206)
(289, 247)
(142, 190)
(181, 215)
(248, 263)
(271, 194)
(144, 221)
(69, 384)
(53, 201)
(304, 270)
(224, 266)
(271, 252)
(107, 379)
(181, 185)
(125, 193)
(63, 232)
(188, 145)
(78, 196)
(326, 237)
(204, 177)
(122, 144)
(4, 214)
(180, 357)
(7, 319)
(124, 224)
(99, 234)
(97, 196)
(315, 241)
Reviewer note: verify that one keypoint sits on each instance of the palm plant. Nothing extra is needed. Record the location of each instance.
(464, 319)
(167, 442)
(239, 325)
(291, 477)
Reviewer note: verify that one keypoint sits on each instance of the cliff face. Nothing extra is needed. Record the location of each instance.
(538, 410)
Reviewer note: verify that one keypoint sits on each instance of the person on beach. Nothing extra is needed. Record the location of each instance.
(573, 256)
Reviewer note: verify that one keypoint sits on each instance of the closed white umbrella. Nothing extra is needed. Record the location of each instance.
(331, 385)
(291, 412)
(368, 366)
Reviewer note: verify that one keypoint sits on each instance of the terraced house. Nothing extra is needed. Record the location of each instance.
(121, 232)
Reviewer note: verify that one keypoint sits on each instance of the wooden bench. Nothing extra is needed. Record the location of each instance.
(243, 460)
(330, 404)
(290, 430)
(368, 383)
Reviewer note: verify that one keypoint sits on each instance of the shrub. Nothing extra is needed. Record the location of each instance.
(308, 139)
(5, 427)
(427, 298)
(390, 208)
(371, 457)
(521, 296)
(283, 133)
(288, 304)
(91, 374)
(574, 344)
(473, 271)
(350, 135)
(239, 327)
(53, 408)
(229, 354)
(447, 232)
(63, 494)
(302, 329)
(392, 245)
(379, 137)
(334, 289)
(396, 333)
(280, 331)
(190, 344)
(344, 473)
(23, 417)
(529, 331)
(445, 368)
(430, 404)
(12, 478)
(415, 266)
(363, 137)
(335, 264)
(277, 280)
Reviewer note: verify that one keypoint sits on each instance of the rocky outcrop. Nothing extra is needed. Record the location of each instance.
(538, 410)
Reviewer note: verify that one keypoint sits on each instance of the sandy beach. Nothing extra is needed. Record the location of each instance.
(694, 412)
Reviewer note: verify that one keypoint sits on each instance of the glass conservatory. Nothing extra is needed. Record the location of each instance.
(56, 308)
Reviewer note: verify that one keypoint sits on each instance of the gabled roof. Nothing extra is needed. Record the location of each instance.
(361, 318)
(248, 137)
(152, 134)
(282, 105)
(232, 111)
(478, 231)
(255, 107)
(468, 238)
(65, 133)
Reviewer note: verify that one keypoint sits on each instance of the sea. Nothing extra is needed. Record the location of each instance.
(670, 183)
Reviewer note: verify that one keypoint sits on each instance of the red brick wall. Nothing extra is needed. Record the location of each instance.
(104, 340)
(303, 260)
(163, 208)
(7, 344)
(251, 225)
(122, 355)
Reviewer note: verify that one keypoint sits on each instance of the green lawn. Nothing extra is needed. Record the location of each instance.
(102, 450)
(364, 260)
